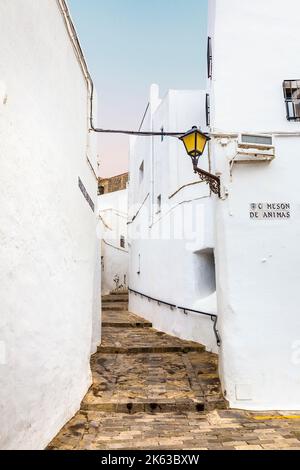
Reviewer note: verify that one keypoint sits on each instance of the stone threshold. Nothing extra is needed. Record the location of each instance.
(148, 406)
(150, 349)
(142, 324)
(117, 306)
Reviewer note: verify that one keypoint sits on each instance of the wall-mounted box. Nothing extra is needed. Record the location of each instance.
(254, 148)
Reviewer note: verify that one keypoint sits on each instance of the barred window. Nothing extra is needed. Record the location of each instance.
(122, 241)
(209, 58)
(208, 110)
(291, 89)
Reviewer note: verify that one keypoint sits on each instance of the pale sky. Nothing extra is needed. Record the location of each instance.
(130, 44)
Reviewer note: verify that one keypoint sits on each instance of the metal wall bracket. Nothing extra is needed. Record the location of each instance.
(213, 181)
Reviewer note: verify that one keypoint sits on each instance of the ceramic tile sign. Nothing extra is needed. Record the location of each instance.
(270, 211)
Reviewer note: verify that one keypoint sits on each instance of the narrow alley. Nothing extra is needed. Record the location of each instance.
(149, 226)
(154, 391)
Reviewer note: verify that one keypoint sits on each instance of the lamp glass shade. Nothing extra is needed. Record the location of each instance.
(195, 142)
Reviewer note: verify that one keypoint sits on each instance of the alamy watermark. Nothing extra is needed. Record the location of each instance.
(188, 221)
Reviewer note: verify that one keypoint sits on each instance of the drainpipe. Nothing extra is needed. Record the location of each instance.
(79, 55)
(84, 68)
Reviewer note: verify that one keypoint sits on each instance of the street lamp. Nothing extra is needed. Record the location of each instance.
(195, 142)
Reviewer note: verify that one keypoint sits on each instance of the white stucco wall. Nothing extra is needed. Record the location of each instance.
(47, 229)
(113, 210)
(253, 52)
(257, 261)
(171, 247)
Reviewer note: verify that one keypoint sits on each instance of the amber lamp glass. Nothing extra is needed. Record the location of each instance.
(195, 142)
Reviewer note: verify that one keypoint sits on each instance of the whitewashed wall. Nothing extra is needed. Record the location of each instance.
(171, 247)
(47, 229)
(113, 210)
(257, 261)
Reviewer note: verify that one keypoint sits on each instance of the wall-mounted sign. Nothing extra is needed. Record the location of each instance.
(270, 211)
(86, 194)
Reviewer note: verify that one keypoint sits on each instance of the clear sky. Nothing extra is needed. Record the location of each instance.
(130, 44)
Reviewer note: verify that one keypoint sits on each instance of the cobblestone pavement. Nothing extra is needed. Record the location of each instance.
(139, 340)
(152, 391)
(217, 430)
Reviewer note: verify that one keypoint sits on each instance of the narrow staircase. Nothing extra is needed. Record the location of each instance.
(139, 369)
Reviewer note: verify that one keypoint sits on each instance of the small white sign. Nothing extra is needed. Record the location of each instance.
(270, 211)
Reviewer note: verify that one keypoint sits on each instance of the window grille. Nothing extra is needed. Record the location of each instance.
(291, 89)
(122, 241)
(209, 58)
(207, 110)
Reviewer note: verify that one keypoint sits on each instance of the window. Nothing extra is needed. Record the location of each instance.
(159, 204)
(141, 172)
(207, 110)
(122, 241)
(209, 58)
(265, 140)
(291, 89)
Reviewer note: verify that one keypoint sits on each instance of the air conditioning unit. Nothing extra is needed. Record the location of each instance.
(255, 147)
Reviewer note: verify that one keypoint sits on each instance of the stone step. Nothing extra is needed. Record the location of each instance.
(115, 298)
(123, 319)
(114, 306)
(120, 292)
(145, 406)
(147, 340)
(153, 383)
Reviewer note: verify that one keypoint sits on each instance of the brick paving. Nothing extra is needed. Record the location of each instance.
(152, 391)
(216, 430)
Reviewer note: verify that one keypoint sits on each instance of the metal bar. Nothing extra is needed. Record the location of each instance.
(154, 300)
(212, 316)
(138, 133)
(216, 331)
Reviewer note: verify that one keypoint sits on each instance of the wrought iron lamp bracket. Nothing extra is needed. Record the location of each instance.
(213, 181)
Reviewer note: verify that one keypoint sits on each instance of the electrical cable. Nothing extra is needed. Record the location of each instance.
(82, 62)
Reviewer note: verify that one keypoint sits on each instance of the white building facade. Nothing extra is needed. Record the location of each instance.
(50, 257)
(113, 211)
(237, 255)
(253, 46)
(170, 223)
